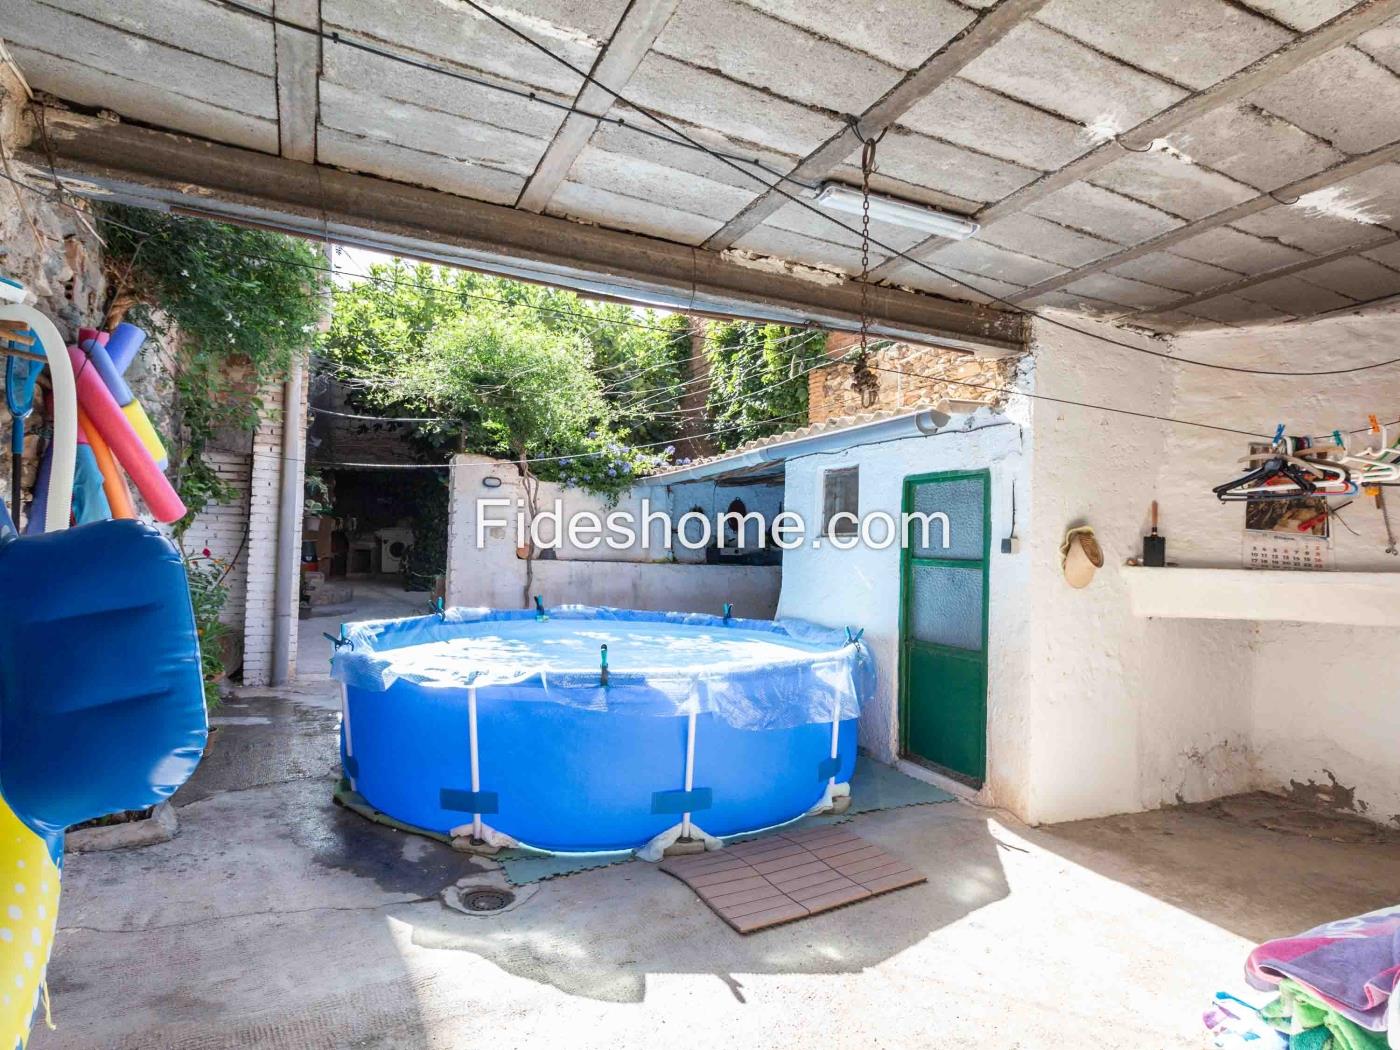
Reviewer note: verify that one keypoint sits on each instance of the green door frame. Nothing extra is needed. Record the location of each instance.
(907, 563)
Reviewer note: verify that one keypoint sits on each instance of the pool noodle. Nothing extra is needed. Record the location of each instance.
(124, 344)
(91, 341)
(113, 481)
(111, 423)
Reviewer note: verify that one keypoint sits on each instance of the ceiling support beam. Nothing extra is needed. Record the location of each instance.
(1338, 32)
(636, 31)
(1337, 173)
(919, 83)
(298, 66)
(162, 170)
(1384, 236)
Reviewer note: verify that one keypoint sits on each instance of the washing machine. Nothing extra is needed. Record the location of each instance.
(393, 547)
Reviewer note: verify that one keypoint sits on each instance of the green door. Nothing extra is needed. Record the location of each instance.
(943, 624)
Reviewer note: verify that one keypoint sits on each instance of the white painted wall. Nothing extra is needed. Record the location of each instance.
(861, 587)
(1133, 713)
(663, 587)
(636, 577)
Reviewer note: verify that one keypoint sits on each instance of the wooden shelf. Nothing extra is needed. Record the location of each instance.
(1367, 599)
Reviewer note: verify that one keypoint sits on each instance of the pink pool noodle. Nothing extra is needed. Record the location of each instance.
(107, 417)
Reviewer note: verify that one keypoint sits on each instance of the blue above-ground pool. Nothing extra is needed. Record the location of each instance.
(760, 714)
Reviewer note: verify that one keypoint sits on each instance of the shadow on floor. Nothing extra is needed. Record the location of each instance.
(1259, 865)
(602, 934)
(279, 920)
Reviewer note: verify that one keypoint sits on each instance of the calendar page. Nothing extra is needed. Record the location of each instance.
(1275, 550)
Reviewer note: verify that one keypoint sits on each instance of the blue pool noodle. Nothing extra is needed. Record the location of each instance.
(100, 359)
(123, 346)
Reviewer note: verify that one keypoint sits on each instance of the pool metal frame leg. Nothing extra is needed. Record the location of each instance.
(476, 766)
(689, 773)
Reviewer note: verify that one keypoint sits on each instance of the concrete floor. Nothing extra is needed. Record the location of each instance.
(376, 598)
(277, 920)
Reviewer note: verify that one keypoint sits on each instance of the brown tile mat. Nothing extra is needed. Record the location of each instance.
(790, 875)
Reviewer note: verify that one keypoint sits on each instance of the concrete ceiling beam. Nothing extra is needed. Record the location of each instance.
(1338, 32)
(1335, 174)
(104, 158)
(633, 37)
(1382, 237)
(298, 63)
(987, 30)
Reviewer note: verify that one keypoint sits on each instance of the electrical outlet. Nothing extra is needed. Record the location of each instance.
(1011, 545)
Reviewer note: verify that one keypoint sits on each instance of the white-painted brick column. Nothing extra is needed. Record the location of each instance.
(263, 488)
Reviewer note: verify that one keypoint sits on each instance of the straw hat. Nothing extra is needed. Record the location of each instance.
(1080, 556)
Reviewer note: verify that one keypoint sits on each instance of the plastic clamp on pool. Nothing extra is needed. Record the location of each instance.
(603, 664)
(728, 611)
(851, 639)
(540, 614)
(436, 605)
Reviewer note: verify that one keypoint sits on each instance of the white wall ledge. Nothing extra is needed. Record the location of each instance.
(1367, 599)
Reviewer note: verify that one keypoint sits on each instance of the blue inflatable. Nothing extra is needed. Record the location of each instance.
(101, 710)
(578, 729)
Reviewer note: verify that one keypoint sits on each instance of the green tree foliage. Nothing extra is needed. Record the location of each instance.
(758, 381)
(516, 370)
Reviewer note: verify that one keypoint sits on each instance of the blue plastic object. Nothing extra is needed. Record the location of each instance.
(101, 693)
(89, 499)
(20, 376)
(39, 501)
(573, 764)
(122, 346)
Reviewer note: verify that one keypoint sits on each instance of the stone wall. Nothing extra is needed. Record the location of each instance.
(831, 394)
(46, 246)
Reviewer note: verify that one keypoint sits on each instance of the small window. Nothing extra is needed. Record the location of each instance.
(840, 495)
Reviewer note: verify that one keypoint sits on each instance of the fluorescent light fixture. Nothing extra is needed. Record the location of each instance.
(840, 197)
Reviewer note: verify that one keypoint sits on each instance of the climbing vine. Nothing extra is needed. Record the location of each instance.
(232, 308)
(758, 384)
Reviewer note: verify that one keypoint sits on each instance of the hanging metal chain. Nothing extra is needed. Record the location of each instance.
(863, 377)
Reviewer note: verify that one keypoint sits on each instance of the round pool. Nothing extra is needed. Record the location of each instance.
(500, 720)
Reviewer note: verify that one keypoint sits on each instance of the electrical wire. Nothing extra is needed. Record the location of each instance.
(894, 252)
(545, 459)
(365, 46)
(885, 368)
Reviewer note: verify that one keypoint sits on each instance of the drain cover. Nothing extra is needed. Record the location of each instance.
(486, 900)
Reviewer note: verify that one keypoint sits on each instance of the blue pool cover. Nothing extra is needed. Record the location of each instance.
(567, 762)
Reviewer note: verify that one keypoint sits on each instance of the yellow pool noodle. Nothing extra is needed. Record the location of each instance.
(136, 416)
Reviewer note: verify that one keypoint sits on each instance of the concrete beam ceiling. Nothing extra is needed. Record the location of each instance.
(168, 171)
(1124, 159)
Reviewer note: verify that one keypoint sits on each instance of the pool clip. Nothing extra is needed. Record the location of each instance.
(603, 664)
(728, 611)
(851, 639)
(540, 614)
(340, 642)
(436, 605)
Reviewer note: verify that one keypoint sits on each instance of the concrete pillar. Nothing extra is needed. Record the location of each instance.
(492, 574)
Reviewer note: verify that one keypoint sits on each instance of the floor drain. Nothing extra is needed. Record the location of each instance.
(486, 900)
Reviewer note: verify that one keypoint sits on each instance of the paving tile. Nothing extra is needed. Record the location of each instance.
(784, 877)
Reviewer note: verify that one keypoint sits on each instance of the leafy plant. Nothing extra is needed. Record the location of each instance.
(317, 499)
(208, 594)
(757, 381)
(233, 306)
(632, 361)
